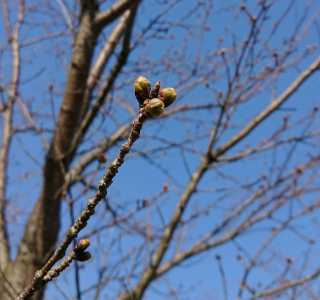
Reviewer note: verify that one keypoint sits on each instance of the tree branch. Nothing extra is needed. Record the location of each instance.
(287, 285)
(274, 105)
(121, 134)
(150, 273)
(106, 52)
(91, 114)
(39, 278)
(7, 133)
(43, 224)
(117, 9)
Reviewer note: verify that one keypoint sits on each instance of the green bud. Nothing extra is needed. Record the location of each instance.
(168, 96)
(82, 245)
(83, 256)
(154, 107)
(142, 89)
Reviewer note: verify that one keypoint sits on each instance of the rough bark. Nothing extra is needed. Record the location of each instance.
(42, 229)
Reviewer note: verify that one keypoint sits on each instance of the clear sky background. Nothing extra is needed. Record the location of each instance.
(46, 64)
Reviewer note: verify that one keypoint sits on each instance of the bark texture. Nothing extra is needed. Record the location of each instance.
(42, 229)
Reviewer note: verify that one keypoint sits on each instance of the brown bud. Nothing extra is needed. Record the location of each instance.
(142, 89)
(154, 93)
(83, 256)
(101, 157)
(154, 107)
(168, 96)
(165, 188)
(82, 245)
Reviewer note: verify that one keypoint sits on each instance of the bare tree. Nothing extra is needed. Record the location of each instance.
(225, 181)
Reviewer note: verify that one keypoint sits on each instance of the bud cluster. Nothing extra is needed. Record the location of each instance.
(154, 100)
(81, 254)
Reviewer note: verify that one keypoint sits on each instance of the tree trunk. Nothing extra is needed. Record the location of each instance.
(43, 226)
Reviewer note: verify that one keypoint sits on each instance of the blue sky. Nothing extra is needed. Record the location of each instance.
(47, 63)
